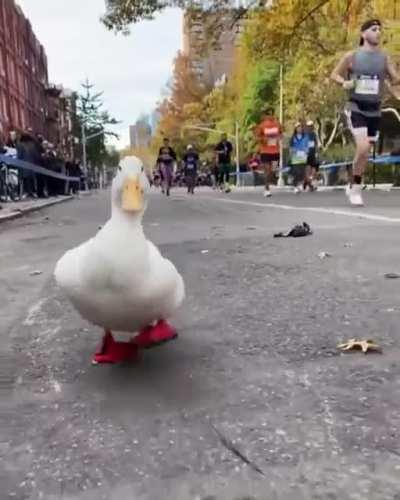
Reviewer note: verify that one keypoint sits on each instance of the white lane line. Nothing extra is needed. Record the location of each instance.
(320, 210)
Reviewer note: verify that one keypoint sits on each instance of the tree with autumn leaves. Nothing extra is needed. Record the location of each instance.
(184, 104)
(306, 37)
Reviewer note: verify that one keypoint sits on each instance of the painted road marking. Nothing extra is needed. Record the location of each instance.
(320, 210)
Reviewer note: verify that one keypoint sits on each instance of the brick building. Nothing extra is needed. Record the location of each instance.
(23, 72)
(212, 61)
(26, 98)
(59, 112)
(140, 134)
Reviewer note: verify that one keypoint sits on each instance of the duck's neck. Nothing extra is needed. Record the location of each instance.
(126, 219)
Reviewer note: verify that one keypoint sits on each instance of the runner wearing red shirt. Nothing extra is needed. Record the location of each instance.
(269, 135)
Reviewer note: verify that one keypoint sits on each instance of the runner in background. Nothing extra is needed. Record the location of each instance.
(223, 152)
(215, 175)
(254, 165)
(190, 166)
(312, 157)
(363, 73)
(166, 162)
(298, 156)
(269, 135)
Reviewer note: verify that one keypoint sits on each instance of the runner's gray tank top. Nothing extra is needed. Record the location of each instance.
(368, 70)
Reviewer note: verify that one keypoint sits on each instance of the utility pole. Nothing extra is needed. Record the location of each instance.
(281, 182)
(84, 154)
(237, 153)
(85, 140)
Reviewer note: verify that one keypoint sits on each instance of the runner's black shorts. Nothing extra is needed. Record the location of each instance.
(359, 121)
(269, 158)
(312, 160)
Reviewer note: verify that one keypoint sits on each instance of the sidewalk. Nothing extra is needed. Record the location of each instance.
(12, 210)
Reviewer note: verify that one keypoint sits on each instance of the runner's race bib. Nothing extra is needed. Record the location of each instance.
(271, 131)
(271, 136)
(311, 144)
(367, 85)
(299, 157)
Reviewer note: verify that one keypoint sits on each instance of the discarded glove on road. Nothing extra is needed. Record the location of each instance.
(296, 232)
(363, 345)
(392, 276)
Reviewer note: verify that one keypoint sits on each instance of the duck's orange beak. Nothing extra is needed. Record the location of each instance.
(132, 195)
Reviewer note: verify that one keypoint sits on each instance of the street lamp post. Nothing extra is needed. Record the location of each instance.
(85, 140)
(281, 182)
(237, 153)
(84, 153)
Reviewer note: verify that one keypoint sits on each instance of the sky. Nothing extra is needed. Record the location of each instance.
(131, 70)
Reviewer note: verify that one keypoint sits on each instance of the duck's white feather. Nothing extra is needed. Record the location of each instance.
(119, 280)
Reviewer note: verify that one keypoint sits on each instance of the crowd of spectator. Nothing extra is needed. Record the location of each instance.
(35, 149)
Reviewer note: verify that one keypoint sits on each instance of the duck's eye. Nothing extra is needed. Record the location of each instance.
(119, 168)
(142, 168)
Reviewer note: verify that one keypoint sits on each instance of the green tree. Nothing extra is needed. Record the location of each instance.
(183, 104)
(112, 157)
(308, 37)
(261, 92)
(95, 120)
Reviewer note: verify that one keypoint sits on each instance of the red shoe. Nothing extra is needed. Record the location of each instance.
(153, 336)
(114, 352)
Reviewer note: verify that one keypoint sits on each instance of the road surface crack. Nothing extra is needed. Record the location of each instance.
(232, 448)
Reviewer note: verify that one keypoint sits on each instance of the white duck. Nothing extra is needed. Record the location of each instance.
(118, 280)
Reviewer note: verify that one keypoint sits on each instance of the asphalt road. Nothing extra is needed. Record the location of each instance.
(255, 375)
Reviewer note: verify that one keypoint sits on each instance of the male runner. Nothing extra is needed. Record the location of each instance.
(269, 133)
(190, 164)
(165, 161)
(312, 157)
(223, 152)
(363, 73)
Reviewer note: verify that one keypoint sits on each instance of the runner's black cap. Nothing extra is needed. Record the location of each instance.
(367, 25)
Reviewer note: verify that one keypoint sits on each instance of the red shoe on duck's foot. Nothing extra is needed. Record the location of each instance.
(153, 336)
(112, 352)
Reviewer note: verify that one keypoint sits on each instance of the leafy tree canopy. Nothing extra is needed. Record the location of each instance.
(121, 13)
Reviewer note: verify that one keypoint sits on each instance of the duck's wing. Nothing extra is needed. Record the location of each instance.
(165, 280)
(68, 270)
